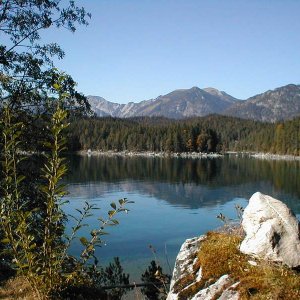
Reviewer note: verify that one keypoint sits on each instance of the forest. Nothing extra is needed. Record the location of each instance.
(213, 133)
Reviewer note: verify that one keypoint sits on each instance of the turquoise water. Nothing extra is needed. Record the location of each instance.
(174, 199)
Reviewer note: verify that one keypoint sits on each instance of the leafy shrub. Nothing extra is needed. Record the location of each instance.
(40, 253)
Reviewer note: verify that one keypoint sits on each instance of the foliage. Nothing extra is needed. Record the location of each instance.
(120, 135)
(278, 138)
(26, 64)
(155, 281)
(114, 276)
(42, 256)
(32, 221)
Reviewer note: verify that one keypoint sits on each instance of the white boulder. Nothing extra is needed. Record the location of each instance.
(272, 231)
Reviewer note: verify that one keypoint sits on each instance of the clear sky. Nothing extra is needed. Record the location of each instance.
(135, 50)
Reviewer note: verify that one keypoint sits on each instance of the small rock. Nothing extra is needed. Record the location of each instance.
(213, 290)
(230, 293)
(272, 231)
(252, 263)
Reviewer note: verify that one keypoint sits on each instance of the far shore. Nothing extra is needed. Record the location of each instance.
(271, 156)
(199, 155)
(149, 154)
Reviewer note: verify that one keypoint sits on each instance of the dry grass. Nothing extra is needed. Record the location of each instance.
(219, 254)
(17, 288)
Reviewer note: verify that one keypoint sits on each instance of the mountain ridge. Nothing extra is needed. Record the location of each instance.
(281, 103)
(273, 105)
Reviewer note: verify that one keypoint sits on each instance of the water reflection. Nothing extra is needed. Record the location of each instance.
(189, 183)
(175, 199)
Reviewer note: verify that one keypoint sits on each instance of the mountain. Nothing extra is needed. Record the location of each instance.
(178, 104)
(102, 107)
(220, 94)
(274, 105)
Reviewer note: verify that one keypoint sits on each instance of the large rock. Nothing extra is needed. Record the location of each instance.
(272, 231)
(222, 289)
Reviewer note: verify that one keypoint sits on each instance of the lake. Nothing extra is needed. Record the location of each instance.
(174, 199)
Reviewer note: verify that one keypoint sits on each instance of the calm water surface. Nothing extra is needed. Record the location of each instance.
(174, 199)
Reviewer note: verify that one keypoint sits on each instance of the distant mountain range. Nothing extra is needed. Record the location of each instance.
(279, 104)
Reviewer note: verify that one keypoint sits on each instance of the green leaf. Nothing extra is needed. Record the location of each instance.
(56, 86)
(111, 213)
(5, 241)
(84, 241)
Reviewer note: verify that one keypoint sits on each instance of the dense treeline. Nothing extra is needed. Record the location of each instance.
(279, 138)
(151, 134)
(208, 134)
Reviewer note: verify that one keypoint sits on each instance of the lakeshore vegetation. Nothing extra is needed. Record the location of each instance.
(36, 103)
(213, 133)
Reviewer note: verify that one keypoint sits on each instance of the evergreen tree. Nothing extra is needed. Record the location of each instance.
(155, 281)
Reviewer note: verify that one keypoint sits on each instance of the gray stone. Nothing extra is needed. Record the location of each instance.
(230, 293)
(213, 290)
(272, 231)
(184, 263)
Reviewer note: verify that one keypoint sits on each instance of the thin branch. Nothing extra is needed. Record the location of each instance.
(23, 39)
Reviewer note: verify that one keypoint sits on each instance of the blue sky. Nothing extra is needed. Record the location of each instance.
(135, 50)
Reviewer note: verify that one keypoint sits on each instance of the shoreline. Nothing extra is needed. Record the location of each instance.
(264, 156)
(195, 155)
(270, 156)
(149, 154)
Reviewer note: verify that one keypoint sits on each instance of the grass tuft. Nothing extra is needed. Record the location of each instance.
(17, 288)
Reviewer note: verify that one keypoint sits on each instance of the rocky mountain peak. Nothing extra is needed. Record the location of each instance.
(213, 91)
(181, 103)
(273, 105)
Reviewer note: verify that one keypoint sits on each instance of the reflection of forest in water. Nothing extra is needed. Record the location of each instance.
(190, 182)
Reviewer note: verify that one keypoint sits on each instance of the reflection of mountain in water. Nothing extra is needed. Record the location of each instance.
(187, 195)
(191, 183)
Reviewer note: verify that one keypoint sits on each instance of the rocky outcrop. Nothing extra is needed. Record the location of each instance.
(272, 234)
(222, 289)
(272, 231)
(184, 263)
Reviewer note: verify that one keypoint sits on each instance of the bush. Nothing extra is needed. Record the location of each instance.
(40, 253)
